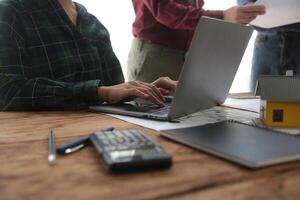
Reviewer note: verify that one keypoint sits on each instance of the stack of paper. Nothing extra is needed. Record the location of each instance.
(278, 13)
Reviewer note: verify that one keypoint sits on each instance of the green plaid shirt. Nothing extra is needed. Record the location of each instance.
(46, 63)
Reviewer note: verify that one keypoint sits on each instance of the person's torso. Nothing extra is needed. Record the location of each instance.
(58, 50)
(149, 29)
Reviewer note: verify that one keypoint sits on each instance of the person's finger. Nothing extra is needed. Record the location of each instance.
(247, 16)
(166, 83)
(165, 92)
(153, 98)
(150, 97)
(134, 92)
(246, 20)
(150, 89)
(258, 9)
(155, 90)
(139, 90)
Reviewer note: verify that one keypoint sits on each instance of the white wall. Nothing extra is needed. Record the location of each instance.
(118, 15)
(241, 81)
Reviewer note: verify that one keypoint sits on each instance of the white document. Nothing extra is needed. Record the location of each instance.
(278, 13)
(200, 118)
(247, 115)
(244, 104)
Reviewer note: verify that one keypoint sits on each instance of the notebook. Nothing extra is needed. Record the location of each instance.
(208, 72)
(247, 145)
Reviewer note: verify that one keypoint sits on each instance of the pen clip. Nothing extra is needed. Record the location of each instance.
(77, 144)
(71, 150)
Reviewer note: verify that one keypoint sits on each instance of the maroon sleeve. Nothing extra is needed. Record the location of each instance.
(176, 15)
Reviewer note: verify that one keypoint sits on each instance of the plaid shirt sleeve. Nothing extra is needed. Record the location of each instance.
(21, 89)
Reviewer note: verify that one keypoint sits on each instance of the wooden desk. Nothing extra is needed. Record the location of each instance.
(25, 173)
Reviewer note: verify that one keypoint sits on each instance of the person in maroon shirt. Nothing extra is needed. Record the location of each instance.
(163, 30)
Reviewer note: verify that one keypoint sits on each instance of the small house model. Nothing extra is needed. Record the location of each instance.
(280, 100)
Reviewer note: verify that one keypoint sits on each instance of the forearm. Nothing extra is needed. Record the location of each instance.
(218, 14)
(17, 93)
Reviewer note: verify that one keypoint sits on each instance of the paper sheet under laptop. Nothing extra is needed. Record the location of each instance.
(252, 104)
(278, 13)
(212, 115)
(243, 110)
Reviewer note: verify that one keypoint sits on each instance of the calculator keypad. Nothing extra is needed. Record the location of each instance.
(123, 150)
(124, 140)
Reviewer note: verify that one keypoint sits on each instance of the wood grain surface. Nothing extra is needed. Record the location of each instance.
(26, 174)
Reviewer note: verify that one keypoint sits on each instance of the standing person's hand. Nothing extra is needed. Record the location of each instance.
(152, 92)
(243, 14)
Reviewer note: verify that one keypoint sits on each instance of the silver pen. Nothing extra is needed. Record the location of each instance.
(51, 148)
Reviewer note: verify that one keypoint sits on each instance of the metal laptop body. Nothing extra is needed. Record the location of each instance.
(210, 66)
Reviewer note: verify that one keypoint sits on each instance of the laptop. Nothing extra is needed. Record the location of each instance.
(210, 66)
(247, 145)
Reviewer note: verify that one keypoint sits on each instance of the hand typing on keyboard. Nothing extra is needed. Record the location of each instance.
(152, 92)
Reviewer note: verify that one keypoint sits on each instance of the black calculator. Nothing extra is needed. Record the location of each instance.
(129, 150)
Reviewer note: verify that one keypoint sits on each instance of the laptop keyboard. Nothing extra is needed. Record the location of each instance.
(148, 107)
(160, 111)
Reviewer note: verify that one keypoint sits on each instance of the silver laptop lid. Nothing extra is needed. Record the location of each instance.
(210, 66)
